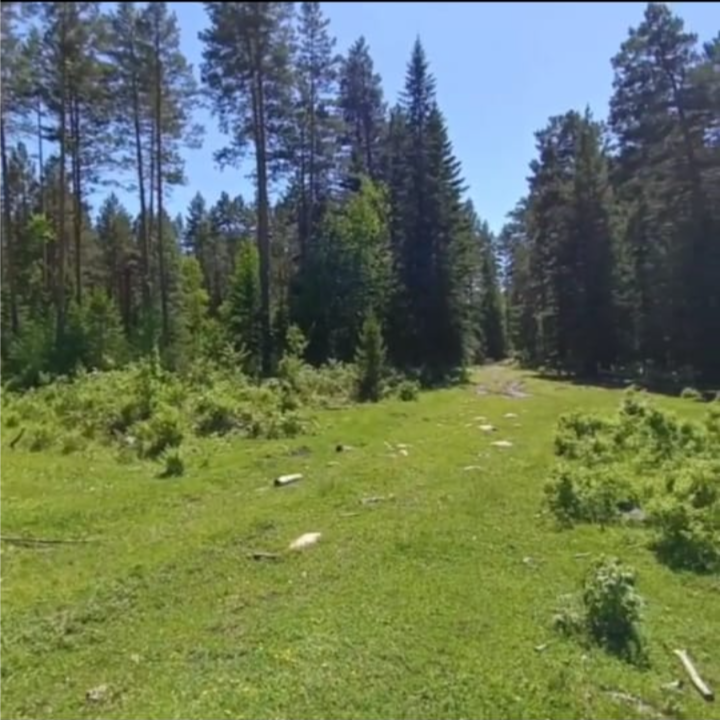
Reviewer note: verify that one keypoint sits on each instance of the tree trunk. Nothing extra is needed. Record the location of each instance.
(61, 239)
(77, 194)
(9, 262)
(159, 171)
(144, 231)
(263, 226)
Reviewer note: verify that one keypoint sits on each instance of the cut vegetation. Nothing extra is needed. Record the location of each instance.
(432, 592)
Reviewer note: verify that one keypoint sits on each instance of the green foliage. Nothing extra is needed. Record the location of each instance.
(643, 458)
(687, 517)
(241, 312)
(162, 431)
(608, 611)
(614, 608)
(370, 360)
(690, 393)
(72, 442)
(31, 352)
(174, 465)
(408, 390)
(40, 438)
(347, 271)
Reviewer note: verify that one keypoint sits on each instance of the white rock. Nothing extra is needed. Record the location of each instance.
(472, 467)
(510, 415)
(502, 443)
(403, 452)
(486, 428)
(305, 540)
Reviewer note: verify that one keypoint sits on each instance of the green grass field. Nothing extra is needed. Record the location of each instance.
(433, 603)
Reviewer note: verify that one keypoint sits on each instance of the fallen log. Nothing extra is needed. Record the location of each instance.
(695, 678)
(284, 480)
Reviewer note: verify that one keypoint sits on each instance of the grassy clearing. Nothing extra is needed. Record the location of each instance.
(437, 602)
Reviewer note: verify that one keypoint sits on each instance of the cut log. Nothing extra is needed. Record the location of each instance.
(695, 678)
(305, 540)
(284, 480)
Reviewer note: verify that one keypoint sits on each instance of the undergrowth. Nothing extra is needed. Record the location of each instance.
(644, 460)
(607, 612)
(146, 411)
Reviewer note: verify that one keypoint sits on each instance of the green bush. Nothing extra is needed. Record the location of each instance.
(607, 612)
(12, 420)
(40, 438)
(72, 442)
(690, 393)
(596, 494)
(215, 414)
(408, 390)
(370, 360)
(162, 431)
(174, 464)
(613, 608)
(687, 518)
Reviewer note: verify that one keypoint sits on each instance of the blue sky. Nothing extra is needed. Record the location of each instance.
(501, 68)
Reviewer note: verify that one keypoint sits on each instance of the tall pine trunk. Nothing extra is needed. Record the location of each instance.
(144, 230)
(159, 171)
(61, 239)
(77, 194)
(9, 262)
(263, 226)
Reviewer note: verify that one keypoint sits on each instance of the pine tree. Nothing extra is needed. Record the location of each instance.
(348, 274)
(119, 256)
(363, 109)
(492, 320)
(173, 94)
(247, 71)
(430, 240)
(316, 76)
(370, 360)
(242, 312)
(661, 133)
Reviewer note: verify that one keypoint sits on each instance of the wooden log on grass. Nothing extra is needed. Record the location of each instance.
(284, 480)
(695, 678)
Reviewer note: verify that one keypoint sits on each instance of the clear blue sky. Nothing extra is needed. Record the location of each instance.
(501, 68)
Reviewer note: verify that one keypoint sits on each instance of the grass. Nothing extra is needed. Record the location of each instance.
(430, 604)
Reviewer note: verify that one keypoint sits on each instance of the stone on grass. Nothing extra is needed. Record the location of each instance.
(486, 428)
(510, 415)
(97, 694)
(305, 540)
(502, 443)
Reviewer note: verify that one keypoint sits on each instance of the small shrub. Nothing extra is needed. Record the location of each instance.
(370, 360)
(408, 390)
(596, 495)
(690, 393)
(161, 432)
(215, 414)
(72, 442)
(687, 518)
(12, 420)
(607, 612)
(40, 438)
(174, 464)
(613, 608)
